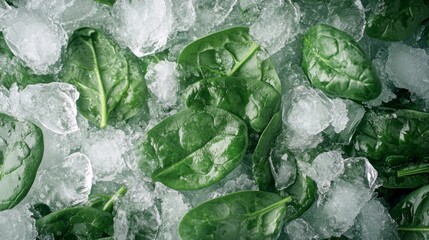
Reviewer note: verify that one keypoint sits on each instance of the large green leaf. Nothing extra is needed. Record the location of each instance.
(240, 215)
(412, 215)
(21, 151)
(399, 19)
(231, 52)
(334, 63)
(109, 79)
(252, 100)
(194, 148)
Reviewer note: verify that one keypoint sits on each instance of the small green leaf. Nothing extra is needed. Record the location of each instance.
(399, 20)
(21, 151)
(335, 64)
(108, 78)
(194, 148)
(107, 2)
(253, 101)
(231, 52)
(240, 215)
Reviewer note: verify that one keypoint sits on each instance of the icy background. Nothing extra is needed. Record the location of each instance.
(81, 159)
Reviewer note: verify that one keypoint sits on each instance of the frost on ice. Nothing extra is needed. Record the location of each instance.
(17, 223)
(162, 79)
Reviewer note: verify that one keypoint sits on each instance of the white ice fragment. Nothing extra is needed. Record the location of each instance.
(162, 78)
(408, 68)
(373, 222)
(211, 13)
(277, 25)
(283, 170)
(65, 184)
(143, 26)
(17, 223)
(298, 229)
(34, 38)
(52, 104)
(339, 115)
(183, 14)
(106, 150)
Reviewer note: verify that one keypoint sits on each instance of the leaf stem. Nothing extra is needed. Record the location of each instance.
(272, 206)
(254, 48)
(413, 170)
(120, 193)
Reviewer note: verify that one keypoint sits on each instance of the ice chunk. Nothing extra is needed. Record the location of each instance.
(143, 26)
(277, 25)
(355, 113)
(325, 168)
(65, 184)
(337, 208)
(4, 7)
(34, 38)
(298, 229)
(373, 222)
(347, 15)
(308, 112)
(408, 68)
(162, 79)
(106, 150)
(183, 14)
(17, 224)
(283, 169)
(53, 105)
(211, 13)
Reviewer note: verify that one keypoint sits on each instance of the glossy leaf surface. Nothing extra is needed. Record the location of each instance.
(194, 148)
(240, 215)
(335, 64)
(21, 151)
(253, 101)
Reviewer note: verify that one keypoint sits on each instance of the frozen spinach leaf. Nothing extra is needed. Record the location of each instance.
(411, 214)
(110, 80)
(334, 63)
(76, 223)
(399, 19)
(21, 151)
(392, 135)
(231, 52)
(252, 100)
(240, 215)
(194, 148)
(260, 163)
(107, 2)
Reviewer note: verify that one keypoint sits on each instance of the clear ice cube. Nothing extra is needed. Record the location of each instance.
(17, 223)
(162, 78)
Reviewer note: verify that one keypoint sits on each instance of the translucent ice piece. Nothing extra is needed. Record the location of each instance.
(17, 224)
(163, 82)
(52, 104)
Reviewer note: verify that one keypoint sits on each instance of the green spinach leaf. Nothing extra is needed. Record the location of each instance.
(411, 214)
(109, 79)
(107, 2)
(21, 151)
(194, 148)
(240, 215)
(399, 20)
(231, 52)
(260, 164)
(334, 63)
(252, 100)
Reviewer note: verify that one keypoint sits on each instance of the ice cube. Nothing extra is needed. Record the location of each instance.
(298, 229)
(162, 78)
(337, 208)
(106, 150)
(183, 14)
(373, 222)
(143, 26)
(17, 223)
(211, 13)
(277, 24)
(284, 170)
(34, 38)
(407, 68)
(52, 104)
(64, 185)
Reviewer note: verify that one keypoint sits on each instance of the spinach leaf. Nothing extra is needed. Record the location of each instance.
(76, 223)
(334, 63)
(252, 100)
(13, 69)
(83, 222)
(107, 2)
(411, 214)
(231, 52)
(194, 148)
(109, 79)
(399, 20)
(240, 215)
(260, 164)
(391, 179)
(391, 135)
(21, 151)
